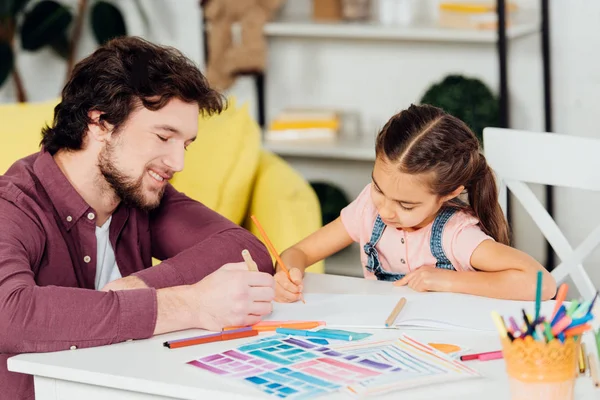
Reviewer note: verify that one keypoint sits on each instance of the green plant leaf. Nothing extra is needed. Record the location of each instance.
(6, 61)
(61, 46)
(107, 22)
(16, 6)
(466, 98)
(5, 8)
(44, 24)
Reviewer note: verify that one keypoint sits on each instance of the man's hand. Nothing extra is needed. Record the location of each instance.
(129, 282)
(425, 279)
(230, 296)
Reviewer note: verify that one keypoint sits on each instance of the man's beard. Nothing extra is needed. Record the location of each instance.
(129, 190)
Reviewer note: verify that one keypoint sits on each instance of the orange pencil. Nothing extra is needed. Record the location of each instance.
(216, 337)
(560, 298)
(577, 330)
(272, 249)
(264, 326)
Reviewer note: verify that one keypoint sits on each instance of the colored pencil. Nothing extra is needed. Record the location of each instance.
(499, 324)
(538, 296)
(249, 261)
(593, 363)
(475, 356)
(217, 337)
(266, 326)
(561, 325)
(272, 250)
(394, 314)
(578, 330)
(492, 356)
(581, 358)
(560, 298)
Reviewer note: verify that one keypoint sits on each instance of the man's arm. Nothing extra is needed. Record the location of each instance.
(193, 241)
(50, 318)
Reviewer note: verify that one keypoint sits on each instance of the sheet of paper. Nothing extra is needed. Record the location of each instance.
(422, 310)
(293, 368)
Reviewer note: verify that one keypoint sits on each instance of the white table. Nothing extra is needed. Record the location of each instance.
(146, 370)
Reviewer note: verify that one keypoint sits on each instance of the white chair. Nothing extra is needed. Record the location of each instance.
(521, 157)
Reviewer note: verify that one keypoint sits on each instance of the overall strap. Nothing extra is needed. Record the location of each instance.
(373, 262)
(435, 242)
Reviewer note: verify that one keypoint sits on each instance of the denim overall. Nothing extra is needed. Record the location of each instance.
(435, 243)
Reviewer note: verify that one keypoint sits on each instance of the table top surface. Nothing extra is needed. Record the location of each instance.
(147, 366)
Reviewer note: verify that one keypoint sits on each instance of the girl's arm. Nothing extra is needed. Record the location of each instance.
(328, 240)
(502, 272)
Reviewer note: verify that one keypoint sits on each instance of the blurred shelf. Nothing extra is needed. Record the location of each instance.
(376, 31)
(357, 149)
(345, 262)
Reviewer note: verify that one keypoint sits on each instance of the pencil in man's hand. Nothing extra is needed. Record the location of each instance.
(249, 261)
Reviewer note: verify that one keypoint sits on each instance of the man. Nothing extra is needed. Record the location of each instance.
(81, 220)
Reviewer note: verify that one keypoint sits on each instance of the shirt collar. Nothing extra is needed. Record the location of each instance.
(68, 203)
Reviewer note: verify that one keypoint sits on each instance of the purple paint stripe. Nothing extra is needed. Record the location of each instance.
(237, 354)
(211, 358)
(208, 367)
(374, 364)
(299, 343)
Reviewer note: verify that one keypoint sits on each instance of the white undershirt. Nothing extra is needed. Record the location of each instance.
(106, 266)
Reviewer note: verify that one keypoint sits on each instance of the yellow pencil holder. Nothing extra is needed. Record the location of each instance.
(539, 370)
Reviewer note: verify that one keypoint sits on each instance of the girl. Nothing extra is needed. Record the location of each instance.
(413, 228)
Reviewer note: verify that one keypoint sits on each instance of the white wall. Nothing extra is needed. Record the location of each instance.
(174, 23)
(576, 78)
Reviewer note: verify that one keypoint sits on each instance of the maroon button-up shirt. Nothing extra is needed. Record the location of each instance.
(47, 296)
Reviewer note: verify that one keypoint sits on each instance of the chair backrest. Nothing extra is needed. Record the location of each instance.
(520, 157)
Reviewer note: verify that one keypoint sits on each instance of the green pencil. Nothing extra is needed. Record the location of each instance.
(538, 296)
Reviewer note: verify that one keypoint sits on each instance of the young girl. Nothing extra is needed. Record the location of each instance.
(411, 225)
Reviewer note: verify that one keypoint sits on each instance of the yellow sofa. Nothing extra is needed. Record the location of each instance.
(226, 169)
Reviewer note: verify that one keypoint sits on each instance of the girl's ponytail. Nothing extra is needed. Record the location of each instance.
(483, 199)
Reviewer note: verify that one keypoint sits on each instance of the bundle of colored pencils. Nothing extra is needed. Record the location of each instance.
(565, 321)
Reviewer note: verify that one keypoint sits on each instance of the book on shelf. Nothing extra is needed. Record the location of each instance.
(299, 125)
(473, 15)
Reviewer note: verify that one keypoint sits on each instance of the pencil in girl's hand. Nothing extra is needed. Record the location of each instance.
(272, 249)
(249, 261)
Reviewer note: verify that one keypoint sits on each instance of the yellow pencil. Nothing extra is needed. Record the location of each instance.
(499, 324)
(249, 261)
(394, 314)
(581, 359)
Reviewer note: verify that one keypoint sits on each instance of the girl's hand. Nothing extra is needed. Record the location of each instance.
(287, 291)
(425, 279)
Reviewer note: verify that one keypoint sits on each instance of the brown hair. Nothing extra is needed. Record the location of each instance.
(425, 139)
(124, 74)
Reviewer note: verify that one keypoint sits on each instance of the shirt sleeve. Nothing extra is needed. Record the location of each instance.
(52, 318)
(461, 237)
(353, 214)
(193, 241)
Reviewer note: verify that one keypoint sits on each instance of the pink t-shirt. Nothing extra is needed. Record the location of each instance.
(401, 251)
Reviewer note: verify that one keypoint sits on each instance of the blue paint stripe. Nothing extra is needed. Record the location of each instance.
(270, 357)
